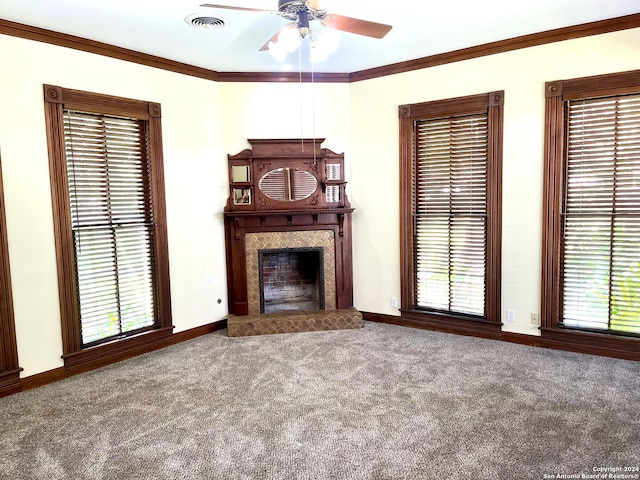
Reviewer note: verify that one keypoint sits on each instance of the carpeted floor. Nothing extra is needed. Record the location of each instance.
(383, 402)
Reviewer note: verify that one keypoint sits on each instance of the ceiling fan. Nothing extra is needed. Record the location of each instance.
(301, 12)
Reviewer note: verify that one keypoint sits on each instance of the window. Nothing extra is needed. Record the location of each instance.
(591, 263)
(451, 155)
(9, 369)
(107, 186)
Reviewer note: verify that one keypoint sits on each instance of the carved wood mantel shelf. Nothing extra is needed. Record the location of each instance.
(289, 215)
(287, 193)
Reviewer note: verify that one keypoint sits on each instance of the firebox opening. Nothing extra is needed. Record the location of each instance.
(291, 279)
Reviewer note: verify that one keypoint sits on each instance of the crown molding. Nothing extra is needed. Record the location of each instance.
(78, 43)
(293, 77)
(550, 36)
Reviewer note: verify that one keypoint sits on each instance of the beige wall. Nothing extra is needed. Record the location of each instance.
(204, 121)
(195, 174)
(374, 158)
(284, 110)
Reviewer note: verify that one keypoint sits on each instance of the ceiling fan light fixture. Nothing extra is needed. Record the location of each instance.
(303, 24)
(323, 45)
(287, 41)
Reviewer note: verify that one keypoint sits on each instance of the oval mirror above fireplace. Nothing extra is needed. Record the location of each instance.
(288, 184)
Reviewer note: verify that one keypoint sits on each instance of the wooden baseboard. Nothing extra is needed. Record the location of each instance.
(592, 343)
(521, 339)
(61, 373)
(518, 338)
(558, 339)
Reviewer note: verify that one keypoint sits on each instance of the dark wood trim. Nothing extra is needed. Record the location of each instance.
(9, 378)
(606, 345)
(91, 46)
(451, 324)
(282, 77)
(161, 246)
(550, 36)
(519, 338)
(407, 185)
(557, 339)
(9, 368)
(448, 107)
(557, 93)
(268, 215)
(62, 231)
(554, 141)
(100, 103)
(595, 86)
(493, 105)
(195, 332)
(35, 381)
(61, 373)
(56, 99)
(130, 346)
(494, 206)
(381, 318)
(238, 226)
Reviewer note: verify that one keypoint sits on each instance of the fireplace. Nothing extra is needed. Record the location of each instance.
(291, 279)
(300, 240)
(288, 208)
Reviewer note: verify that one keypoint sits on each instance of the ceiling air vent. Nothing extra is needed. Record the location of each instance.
(199, 21)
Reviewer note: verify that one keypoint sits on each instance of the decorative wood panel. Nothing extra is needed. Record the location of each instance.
(262, 214)
(9, 368)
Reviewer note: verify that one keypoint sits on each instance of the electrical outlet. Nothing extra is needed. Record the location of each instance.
(511, 315)
(535, 319)
(394, 302)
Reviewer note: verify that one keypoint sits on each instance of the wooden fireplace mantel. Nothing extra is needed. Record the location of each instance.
(289, 215)
(239, 224)
(252, 210)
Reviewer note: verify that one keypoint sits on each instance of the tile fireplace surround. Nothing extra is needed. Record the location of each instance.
(274, 240)
(255, 221)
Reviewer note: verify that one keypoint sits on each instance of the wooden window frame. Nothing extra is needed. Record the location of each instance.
(493, 105)
(9, 368)
(557, 93)
(56, 100)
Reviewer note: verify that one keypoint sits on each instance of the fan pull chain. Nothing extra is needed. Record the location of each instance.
(313, 112)
(301, 97)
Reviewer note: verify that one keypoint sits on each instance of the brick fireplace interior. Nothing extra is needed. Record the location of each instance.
(291, 279)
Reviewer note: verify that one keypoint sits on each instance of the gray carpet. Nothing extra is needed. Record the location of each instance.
(384, 402)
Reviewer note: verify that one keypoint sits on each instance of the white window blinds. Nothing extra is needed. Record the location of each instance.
(112, 223)
(450, 218)
(601, 215)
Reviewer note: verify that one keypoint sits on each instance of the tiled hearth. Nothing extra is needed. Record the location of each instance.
(291, 322)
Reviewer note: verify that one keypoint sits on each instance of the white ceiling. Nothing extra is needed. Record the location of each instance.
(420, 27)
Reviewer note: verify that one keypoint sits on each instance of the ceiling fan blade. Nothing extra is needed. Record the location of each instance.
(273, 39)
(210, 5)
(355, 25)
(314, 4)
